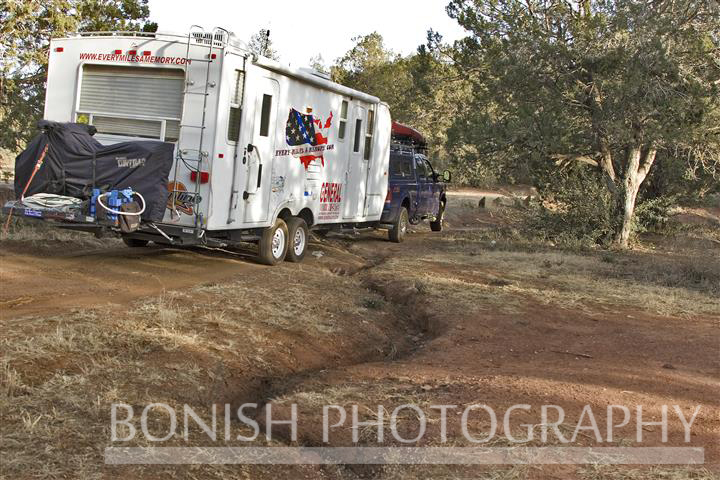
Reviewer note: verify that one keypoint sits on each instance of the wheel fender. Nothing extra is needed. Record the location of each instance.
(280, 208)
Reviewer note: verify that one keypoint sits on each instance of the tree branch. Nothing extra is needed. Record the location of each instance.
(562, 160)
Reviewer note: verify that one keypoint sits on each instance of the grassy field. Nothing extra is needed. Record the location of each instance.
(474, 313)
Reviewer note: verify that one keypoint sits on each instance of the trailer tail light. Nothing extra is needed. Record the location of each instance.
(59, 49)
(212, 56)
(388, 197)
(204, 176)
(118, 52)
(132, 52)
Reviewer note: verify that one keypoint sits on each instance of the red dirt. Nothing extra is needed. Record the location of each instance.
(493, 358)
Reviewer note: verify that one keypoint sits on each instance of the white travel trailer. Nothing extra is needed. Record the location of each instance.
(263, 151)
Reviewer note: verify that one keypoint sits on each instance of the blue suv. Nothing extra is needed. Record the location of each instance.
(415, 191)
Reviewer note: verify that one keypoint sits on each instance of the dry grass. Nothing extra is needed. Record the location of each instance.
(606, 472)
(501, 280)
(41, 235)
(60, 374)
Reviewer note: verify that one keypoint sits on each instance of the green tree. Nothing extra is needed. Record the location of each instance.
(260, 44)
(372, 68)
(608, 83)
(423, 90)
(26, 27)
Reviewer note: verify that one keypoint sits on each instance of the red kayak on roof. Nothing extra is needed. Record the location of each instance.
(407, 133)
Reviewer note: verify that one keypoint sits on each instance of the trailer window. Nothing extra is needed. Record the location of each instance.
(343, 120)
(265, 115)
(369, 134)
(358, 132)
(233, 132)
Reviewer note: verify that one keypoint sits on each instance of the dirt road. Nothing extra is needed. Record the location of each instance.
(457, 318)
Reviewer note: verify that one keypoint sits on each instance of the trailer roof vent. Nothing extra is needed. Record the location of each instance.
(316, 73)
(204, 38)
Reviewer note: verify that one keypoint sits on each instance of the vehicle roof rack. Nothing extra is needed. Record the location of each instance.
(406, 147)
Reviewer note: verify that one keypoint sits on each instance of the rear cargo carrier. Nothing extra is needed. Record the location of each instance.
(76, 165)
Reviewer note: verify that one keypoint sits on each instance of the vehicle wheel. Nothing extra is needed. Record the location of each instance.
(135, 242)
(272, 246)
(298, 235)
(397, 233)
(436, 225)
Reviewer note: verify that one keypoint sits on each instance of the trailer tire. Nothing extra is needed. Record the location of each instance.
(397, 233)
(135, 242)
(436, 225)
(298, 235)
(273, 244)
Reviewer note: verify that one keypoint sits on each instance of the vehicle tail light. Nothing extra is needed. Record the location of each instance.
(204, 176)
(388, 197)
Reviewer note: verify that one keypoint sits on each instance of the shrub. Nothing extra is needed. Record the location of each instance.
(573, 209)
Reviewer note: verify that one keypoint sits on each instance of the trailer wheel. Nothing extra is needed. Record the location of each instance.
(298, 235)
(436, 225)
(273, 244)
(135, 242)
(397, 233)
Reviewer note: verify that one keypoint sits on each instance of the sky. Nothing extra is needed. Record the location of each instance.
(300, 30)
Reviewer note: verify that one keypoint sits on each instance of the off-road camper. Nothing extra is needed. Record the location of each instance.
(262, 151)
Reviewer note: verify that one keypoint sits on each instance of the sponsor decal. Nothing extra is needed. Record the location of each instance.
(184, 200)
(29, 212)
(330, 199)
(123, 162)
(110, 57)
(307, 137)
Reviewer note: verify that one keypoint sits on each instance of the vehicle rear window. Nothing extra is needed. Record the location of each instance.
(401, 166)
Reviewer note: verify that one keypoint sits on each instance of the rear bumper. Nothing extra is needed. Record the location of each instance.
(54, 214)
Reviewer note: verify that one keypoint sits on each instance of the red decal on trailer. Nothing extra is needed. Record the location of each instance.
(132, 57)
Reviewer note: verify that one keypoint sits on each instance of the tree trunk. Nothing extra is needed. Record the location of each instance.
(637, 169)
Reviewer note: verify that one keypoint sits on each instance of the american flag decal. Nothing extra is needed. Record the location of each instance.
(305, 129)
(300, 129)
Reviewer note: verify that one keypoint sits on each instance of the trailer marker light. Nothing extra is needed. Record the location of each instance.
(213, 56)
(132, 52)
(146, 53)
(118, 52)
(221, 155)
(59, 49)
(204, 177)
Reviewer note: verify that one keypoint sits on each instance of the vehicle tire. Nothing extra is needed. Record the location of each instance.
(135, 242)
(298, 236)
(273, 244)
(436, 225)
(397, 233)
